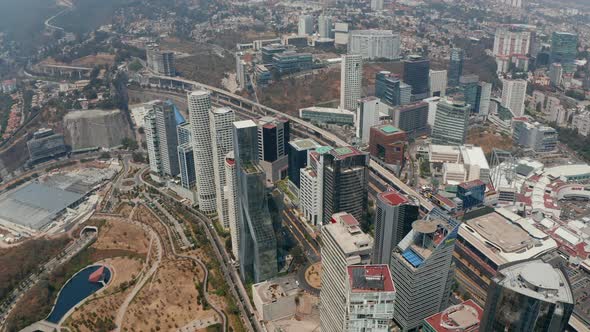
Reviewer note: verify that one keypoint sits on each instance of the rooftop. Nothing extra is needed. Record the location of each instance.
(461, 317)
(345, 152)
(244, 124)
(472, 184)
(327, 110)
(271, 290)
(393, 198)
(304, 144)
(347, 233)
(474, 155)
(370, 278)
(538, 280)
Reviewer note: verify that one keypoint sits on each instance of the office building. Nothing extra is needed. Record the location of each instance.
(421, 269)
(45, 144)
(351, 79)
(529, 296)
(343, 244)
(186, 164)
(468, 86)
(394, 216)
(450, 123)
(327, 115)
(475, 162)
(276, 299)
(298, 151)
(262, 75)
(273, 147)
(462, 317)
(456, 60)
(231, 192)
(555, 73)
(387, 88)
(405, 94)
(160, 62)
(387, 143)
(311, 190)
(416, 71)
(305, 27)
(376, 5)
(437, 81)
(411, 118)
(325, 26)
(370, 298)
(491, 241)
(221, 120)
(471, 193)
(514, 95)
(296, 41)
(367, 116)
(564, 49)
(345, 179)
(374, 44)
(199, 107)
(534, 135)
(482, 100)
(291, 62)
(258, 245)
(162, 139)
(268, 52)
(340, 33)
(432, 104)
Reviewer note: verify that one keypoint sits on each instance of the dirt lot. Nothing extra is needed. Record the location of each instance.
(124, 209)
(95, 60)
(488, 140)
(169, 300)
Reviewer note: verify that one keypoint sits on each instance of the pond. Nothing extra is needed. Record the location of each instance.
(75, 290)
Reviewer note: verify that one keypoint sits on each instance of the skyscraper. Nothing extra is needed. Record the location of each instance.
(455, 66)
(421, 269)
(345, 180)
(514, 95)
(222, 143)
(484, 94)
(305, 27)
(387, 88)
(351, 78)
(273, 147)
(513, 43)
(231, 192)
(199, 106)
(374, 44)
(325, 26)
(258, 245)
(186, 163)
(393, 221)
(311, 190)
(564, 49)
(162, 139)
(528, 296)
(343, 244)
(450, 123)
(437, 82)
(416, 71)
(370, 298)
(367, 116)
(298, 150)
(555, 73)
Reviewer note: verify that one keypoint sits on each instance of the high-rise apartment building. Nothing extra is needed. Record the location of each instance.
(199, 107)
(257, 240)
(160, 62)
(555, 73)
(351, 78)
(221, 120)
(311, 190)
(367, 116)
(305, 27)
(394, 216)
(456, 60)
(231, 192)
(387, 88)
(298, 151)
(370, 298)
(273, 147)
(343, 244)
(514, 95)
(450, 123)
(564, 49)
(437, 81)
(374, 44)
(162, 139)
(421, 269)
(514, 43)
(529, 296)
(345, 179)
(416, 71)
(325, 26)
(241, 76)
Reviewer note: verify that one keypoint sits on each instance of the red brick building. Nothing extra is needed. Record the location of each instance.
(387, 143)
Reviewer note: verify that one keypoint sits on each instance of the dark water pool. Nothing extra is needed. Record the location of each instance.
(75, 290)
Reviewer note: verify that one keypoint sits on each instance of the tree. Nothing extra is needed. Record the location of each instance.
(129, 144)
